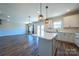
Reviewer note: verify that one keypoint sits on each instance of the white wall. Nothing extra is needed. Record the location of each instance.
(11, 28)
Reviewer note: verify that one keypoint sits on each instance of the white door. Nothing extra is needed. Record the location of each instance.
(40, 30)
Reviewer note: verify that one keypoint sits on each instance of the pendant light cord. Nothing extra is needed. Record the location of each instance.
(29, 19)
(46, 12)
(40, 8)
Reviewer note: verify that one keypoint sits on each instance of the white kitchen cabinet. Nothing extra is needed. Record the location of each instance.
(45, 47)
(71, 21)
(77, 39)
(68, 37)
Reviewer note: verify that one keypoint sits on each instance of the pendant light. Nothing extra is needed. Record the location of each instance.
(29, 20)
(40, 17)
(46, 20)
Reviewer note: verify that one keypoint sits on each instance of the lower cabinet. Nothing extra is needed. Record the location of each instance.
(77, 42)
(46, 47)
(68, 37)
(77, 39)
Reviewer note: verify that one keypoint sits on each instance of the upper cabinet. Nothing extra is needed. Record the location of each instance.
(71, 21)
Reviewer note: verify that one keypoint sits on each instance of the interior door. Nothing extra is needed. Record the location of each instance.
(40, 30)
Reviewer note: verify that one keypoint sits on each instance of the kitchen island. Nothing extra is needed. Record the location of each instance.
(46, 43)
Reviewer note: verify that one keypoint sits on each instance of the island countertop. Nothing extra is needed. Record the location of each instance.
(48, 36)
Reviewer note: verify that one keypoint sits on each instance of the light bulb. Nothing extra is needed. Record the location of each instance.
(40, 17)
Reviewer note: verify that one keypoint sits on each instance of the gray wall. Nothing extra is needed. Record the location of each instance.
(11, 28)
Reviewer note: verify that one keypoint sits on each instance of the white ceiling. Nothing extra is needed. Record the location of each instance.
(19, 12)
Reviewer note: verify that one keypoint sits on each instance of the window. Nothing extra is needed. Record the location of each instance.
(57, 25)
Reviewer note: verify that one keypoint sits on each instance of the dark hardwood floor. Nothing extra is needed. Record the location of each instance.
(66, 49)
(27, 45)
(18, 45)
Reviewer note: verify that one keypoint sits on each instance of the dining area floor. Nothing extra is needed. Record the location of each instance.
(18, 45)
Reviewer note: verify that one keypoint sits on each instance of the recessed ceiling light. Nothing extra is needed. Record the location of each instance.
(8, 16)
(38, 12)
(68, 10)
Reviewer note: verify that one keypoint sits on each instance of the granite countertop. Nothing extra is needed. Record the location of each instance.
(48, 36)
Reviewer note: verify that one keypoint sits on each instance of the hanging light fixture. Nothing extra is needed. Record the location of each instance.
(29, 19)
(46, 20)
(40, 17)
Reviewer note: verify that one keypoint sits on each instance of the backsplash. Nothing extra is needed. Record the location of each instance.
(63, 30)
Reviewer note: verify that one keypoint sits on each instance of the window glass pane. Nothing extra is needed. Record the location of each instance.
(57, 25)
